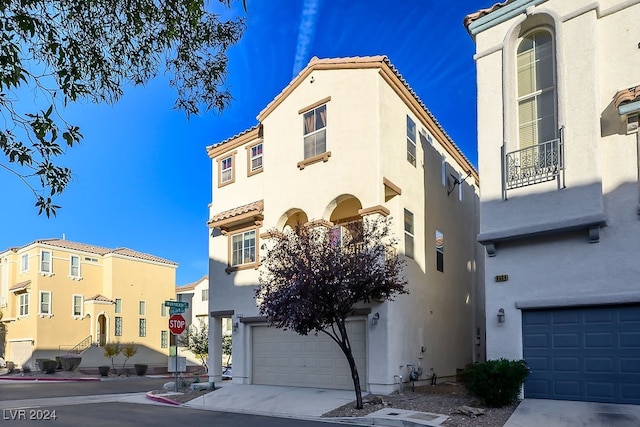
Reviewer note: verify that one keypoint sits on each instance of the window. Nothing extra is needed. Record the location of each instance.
(164, 339)
(255, 157)
(142, 327)
(24, 263)
(226, 169)
(45, 302)
(439, 251)
(537, 118)
(141, 308)
(243, 248)
(460, 181)
(163, 310)
(118, 328)
(444, 171)
(408, 234)
(411, 141)
(205, 295)
(23, 304)
(77, 305)
(75, 266)
(118, 305)
(45, 262)
(315, 131)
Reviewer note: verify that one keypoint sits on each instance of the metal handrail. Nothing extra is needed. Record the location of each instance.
(81, 346)
(533, 165)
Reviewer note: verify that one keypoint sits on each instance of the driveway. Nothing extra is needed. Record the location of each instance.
(564, 413)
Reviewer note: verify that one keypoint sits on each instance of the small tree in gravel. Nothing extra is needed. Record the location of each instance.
(128, 351)
(312, 278)
(227, 346)
(197, 342)
(111, 351)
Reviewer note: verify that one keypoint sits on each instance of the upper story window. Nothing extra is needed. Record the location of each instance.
(74, 270)
(118, 305)
(45, 302)
(243, 248)
(141, 308)
(408, 234)
(411, 141)
(77, 305)
(23, 304)
(439, 251)
(315, 131)
(205, 295)
(537, 116)
(226, 169)
(255, 158)
(45, 262)
(24, 263)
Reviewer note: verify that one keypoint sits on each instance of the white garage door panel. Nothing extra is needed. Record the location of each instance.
(286, 358)
(20, 352)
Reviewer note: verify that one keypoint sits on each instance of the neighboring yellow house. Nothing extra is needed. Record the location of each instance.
(58, 296)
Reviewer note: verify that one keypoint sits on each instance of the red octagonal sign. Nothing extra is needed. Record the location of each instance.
(177, 324)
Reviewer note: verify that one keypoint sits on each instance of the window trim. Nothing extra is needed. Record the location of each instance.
(50, 261)
(412, 142)
(256, 263)
(411, 234)
(49, 311)
(71, 257)
(323, 156)
(219, 160)
(23, 307)
(250, 171)
(73, 306)
(118, 332)
(24, 263)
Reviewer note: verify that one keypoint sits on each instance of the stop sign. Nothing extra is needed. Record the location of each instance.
(177, 324)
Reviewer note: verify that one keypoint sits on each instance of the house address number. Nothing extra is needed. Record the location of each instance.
(502, 278)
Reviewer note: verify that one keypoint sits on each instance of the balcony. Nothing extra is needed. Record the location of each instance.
(533, 165)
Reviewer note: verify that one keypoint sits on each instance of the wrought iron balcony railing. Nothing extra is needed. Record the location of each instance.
(533, 165)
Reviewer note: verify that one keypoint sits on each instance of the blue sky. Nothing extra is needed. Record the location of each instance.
(142, 175)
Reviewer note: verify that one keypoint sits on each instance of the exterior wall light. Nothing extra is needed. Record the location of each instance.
(501, 315)
(375, 318)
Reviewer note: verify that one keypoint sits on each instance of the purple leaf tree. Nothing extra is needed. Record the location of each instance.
(312, 278)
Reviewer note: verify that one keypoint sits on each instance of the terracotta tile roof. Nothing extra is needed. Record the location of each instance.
(257, 207)
(100, 298)
(482, 12)
(231, 138)
(191, 286)
(626, 96)
(99, 250)
(21, 285)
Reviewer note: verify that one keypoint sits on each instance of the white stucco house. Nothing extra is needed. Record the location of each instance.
(558, 102)
(345, 139)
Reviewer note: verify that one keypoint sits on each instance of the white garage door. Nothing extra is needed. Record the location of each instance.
(286, 358)
(20, 352)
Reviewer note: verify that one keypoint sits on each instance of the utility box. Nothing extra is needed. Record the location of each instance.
(182, 364)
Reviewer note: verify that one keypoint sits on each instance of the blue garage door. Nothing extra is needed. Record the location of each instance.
(587, 353)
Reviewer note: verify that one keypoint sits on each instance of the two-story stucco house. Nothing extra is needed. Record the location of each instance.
(348, 138)
(558, 102)
(57, 296)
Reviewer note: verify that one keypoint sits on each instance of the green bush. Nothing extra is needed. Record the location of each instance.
(48, 366)
(496, 382)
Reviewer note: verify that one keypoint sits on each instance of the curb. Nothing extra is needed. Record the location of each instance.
(161, 399)
(34, 379)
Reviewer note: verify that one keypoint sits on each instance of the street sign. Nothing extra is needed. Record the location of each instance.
(177, 324)
(177, 304)
(175, 310)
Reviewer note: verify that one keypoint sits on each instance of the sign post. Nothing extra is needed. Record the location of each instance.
(177, 325)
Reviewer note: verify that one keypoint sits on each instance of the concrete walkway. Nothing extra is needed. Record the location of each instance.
(562, 413)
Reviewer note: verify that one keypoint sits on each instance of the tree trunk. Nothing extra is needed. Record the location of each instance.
(355, 377)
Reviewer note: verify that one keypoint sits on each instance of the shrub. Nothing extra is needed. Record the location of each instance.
(48, 366)
(496, 382)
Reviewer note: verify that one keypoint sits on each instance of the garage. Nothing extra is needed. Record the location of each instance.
(20, 352)
(583, 353)
(285, 358)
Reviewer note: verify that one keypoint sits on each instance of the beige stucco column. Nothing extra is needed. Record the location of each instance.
(215, 349)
